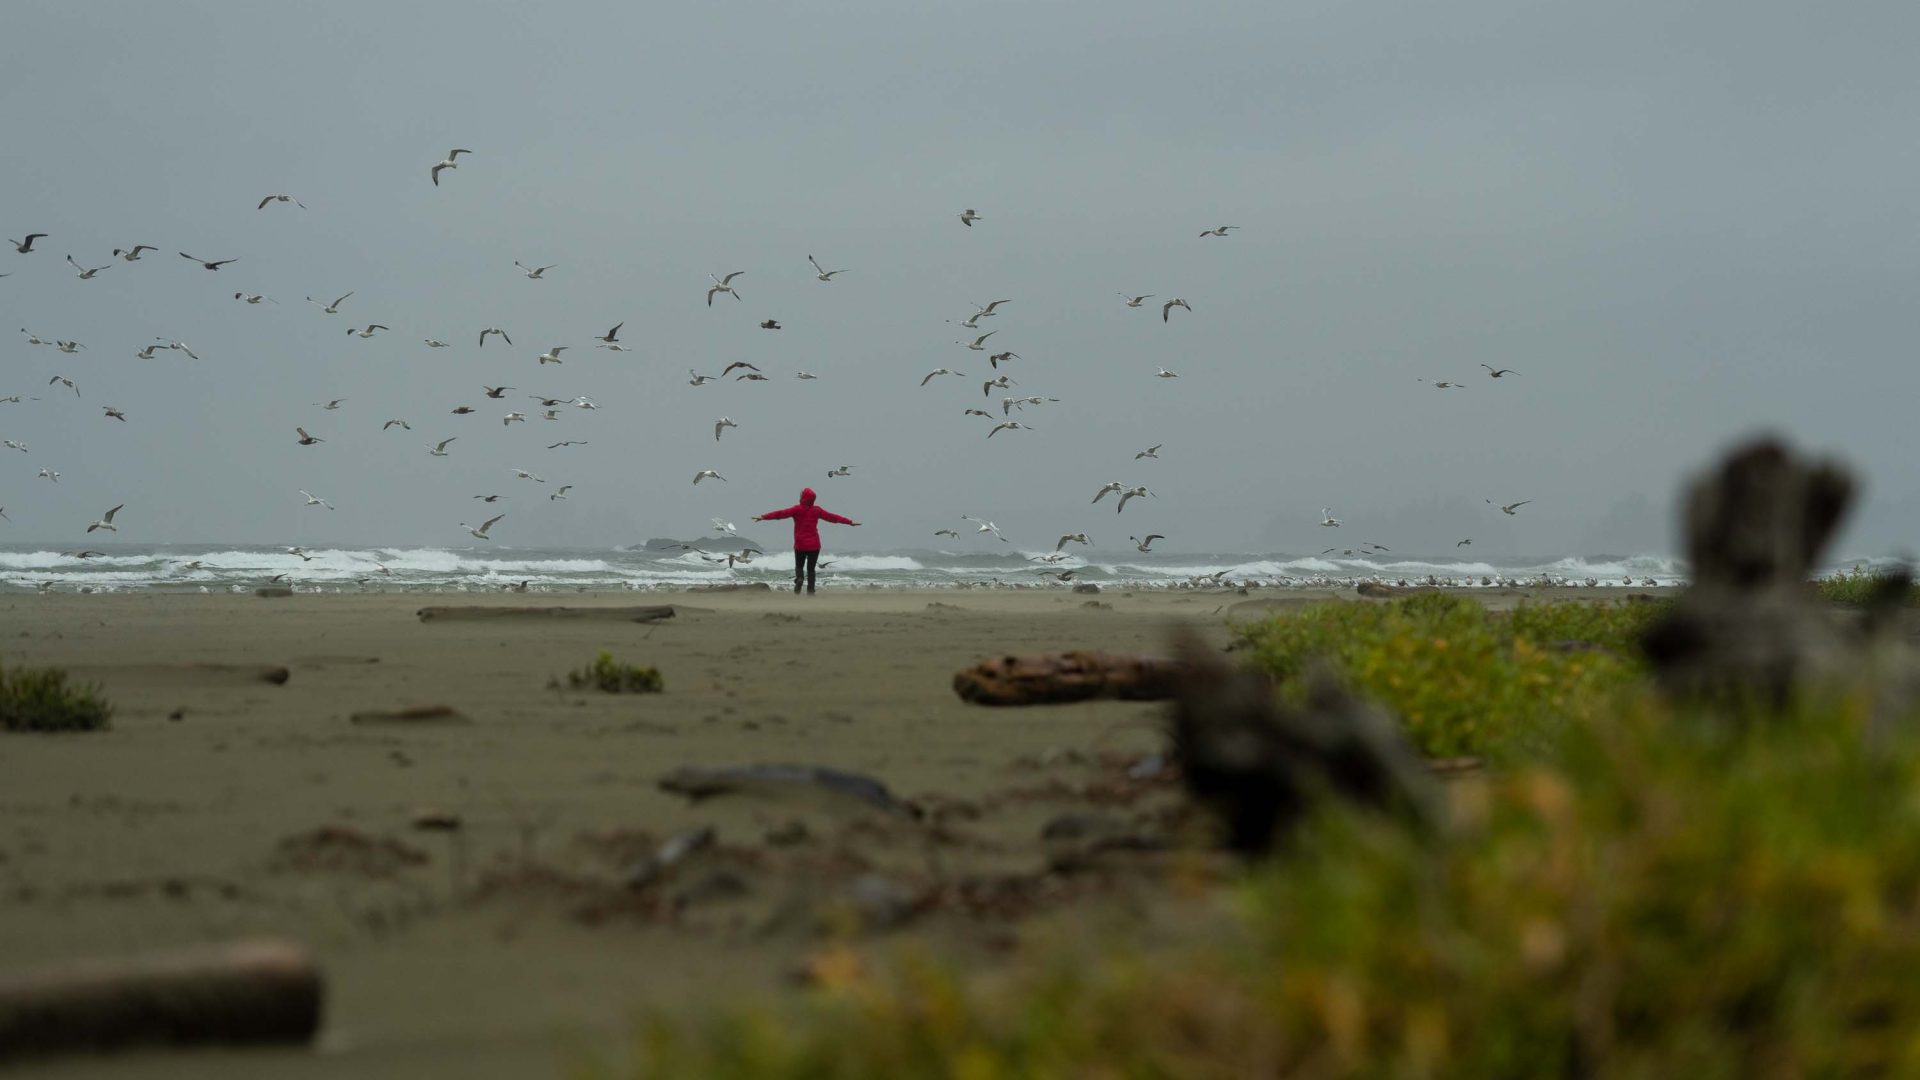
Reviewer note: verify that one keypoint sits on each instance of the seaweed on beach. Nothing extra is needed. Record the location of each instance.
(41, 699)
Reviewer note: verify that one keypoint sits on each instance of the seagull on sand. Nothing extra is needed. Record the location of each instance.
(306, 439)
(704, 473)
(985, 527)
(940, 371)
(552, 356)
(1007, 425)
(967, 218)
(821, 272)
(1511, 507)
(1146, 543)
(447, 163)
(66, 382)
(722, 424)
(533, 272)
(1220, 230)
(331, 309)
(1163, 373)
(1136, 301)
(723, 285)
(439, 449)
(115, 414)
(280, 198)
(368, 332)
(525, 475)
(844, 470)
(1327, 520)
(1166, 309)
(1129, 494)
(315, 500)
(208, 264)
(25, 247)
(494, 330)
(396, 423)
(1499, 373)
(1078, 537)
(561, 494)
(481, 532)
(86, 274)
(612, 336)
(106, 521)
(1150, 452)
(132, 254)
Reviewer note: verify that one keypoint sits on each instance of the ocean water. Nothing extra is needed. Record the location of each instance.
(239, 567)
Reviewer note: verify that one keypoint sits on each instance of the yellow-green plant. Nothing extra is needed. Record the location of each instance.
(39, 699)
(615, 678)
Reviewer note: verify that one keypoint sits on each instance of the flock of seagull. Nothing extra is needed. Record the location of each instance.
(998, 358)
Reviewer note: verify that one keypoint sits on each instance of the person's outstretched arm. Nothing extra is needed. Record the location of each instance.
(775, 514)
(828, 515)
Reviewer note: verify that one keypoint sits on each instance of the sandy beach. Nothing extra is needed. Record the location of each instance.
(223, 806)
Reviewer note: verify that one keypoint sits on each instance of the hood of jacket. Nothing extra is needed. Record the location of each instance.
(807, 496)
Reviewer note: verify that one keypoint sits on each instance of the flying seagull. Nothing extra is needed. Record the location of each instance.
(560, 494)
(821, 272)
(1150, 452)
(968, 217)
(611, 336)
(1327, 520)
(440, 449)
(975, 345)
(1145, 543)
(844, 470)
(331, 309)
(1136, 301)
(481, 532)
(525, 475)
(209, 264)
(946, 532)
(253, 298)
(66, 382)
(533, 272)
(436, 343)
(1008, 425)
(552, 355)
(402, 424)
(115, 414)
(106, 521)
(25, 247)
(494, 330)
(770, 324)
(1499, 373)
(1166, 309)
(132, 254)
(985, 527)
(721, 425)
(447, 163)
(495, 391)
(728, 370)
(368, 332)
(1163, 373)
(940, 371)
(280, 198)
(1130, 493)
(1107, 489)
(315, 500)
(723, 285)
(1219, 230)
(1079, 537)
(50, 474)
(704, 473)
(85, 273)
(1511, 507)
(306, 439)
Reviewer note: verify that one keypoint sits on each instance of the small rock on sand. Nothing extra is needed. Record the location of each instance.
(414, 714)
(269, 592)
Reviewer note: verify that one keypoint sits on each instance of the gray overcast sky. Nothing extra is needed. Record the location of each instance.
(1678, 223)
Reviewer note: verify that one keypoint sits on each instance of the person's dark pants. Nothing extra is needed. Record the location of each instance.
(803, 567)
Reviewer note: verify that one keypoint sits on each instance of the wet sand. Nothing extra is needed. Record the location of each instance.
(505, 945)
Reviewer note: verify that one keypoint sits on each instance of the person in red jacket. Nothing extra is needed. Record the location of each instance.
(806, 534)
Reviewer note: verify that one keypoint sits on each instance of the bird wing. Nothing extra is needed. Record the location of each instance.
(816, 264)
(436, 173)
(444, 442)
(264, 202)
(616, 330)
(184, 255)
(303, 433)
(108, 516)
(451, 154)
(729, 278)
(489, 522)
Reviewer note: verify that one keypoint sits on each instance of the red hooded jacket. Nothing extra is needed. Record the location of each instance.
(806, 518)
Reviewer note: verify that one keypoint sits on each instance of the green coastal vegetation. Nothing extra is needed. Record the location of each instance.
(613, 677)
(1861, 586)
(41, 699)
(1633, 887)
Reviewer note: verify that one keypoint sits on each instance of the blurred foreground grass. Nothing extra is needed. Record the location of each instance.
(1638, 891)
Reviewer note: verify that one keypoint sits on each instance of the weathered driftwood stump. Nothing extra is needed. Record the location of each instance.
(249, 992)
(1261, 766)
(1050, 678)
(1755, 528)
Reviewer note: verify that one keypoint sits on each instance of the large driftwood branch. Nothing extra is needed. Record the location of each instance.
(249, 992)
(649, 613)
(1050, 678)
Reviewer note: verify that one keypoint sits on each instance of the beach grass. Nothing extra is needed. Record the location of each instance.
(1860, 585)
(613, 677)
(1463, 680)
(41, 699)
(1653, 893)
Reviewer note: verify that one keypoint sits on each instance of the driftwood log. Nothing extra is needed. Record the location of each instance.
(649, 613)
(247, 992)
(1051, 678)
